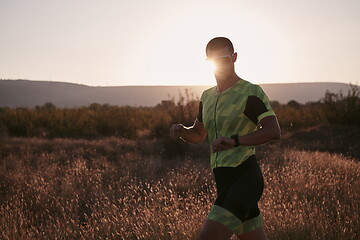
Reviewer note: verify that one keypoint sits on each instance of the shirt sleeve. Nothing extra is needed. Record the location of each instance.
(258, 107)
(199, 116)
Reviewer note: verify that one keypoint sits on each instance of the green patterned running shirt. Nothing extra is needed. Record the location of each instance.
(237, 110)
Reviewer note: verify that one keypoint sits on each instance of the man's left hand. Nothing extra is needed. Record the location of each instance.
(222, 143)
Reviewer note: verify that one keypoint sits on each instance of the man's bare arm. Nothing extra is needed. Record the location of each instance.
(270, 130)
(194, 134)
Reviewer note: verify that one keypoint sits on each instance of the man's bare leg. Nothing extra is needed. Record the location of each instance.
(257, 234)
(213, 230)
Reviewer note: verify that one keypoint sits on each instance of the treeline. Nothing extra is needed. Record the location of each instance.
(97, 121)
(333, 108)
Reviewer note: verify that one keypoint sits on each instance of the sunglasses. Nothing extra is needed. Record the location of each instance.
(220, 57)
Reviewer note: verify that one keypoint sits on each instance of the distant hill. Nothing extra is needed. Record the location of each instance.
(25, 93)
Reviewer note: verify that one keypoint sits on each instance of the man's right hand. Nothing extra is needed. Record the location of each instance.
(176, 130)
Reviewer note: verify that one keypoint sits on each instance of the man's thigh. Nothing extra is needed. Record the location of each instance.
(257, 234)
(214, 230)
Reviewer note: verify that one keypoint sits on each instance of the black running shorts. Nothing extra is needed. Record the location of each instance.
(238, 191)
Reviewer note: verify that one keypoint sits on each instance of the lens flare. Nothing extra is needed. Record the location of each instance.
(213, 65)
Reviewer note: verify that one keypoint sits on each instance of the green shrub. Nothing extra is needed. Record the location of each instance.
(341, 109)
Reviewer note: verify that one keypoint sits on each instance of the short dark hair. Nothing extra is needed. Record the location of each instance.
(219, 43)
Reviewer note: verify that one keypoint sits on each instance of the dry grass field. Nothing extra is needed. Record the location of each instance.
(125, 189)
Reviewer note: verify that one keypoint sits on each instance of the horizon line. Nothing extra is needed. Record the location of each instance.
(177, 85)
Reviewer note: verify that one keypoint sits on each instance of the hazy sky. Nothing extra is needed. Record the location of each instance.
(162, 42)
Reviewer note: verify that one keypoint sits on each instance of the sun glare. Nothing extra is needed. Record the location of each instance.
(174, 51)
(213, 65)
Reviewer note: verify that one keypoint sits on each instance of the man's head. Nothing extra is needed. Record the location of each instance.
(220, 51)
(219, 43)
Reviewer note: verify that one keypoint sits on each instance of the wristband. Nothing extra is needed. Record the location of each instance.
(236, 138)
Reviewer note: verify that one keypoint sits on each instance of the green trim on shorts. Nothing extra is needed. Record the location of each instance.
(249, 225)
(225, 217)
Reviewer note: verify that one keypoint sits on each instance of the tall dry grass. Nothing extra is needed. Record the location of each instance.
(122, 189)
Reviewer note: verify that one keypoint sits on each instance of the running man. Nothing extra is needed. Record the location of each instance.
(236, 116)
